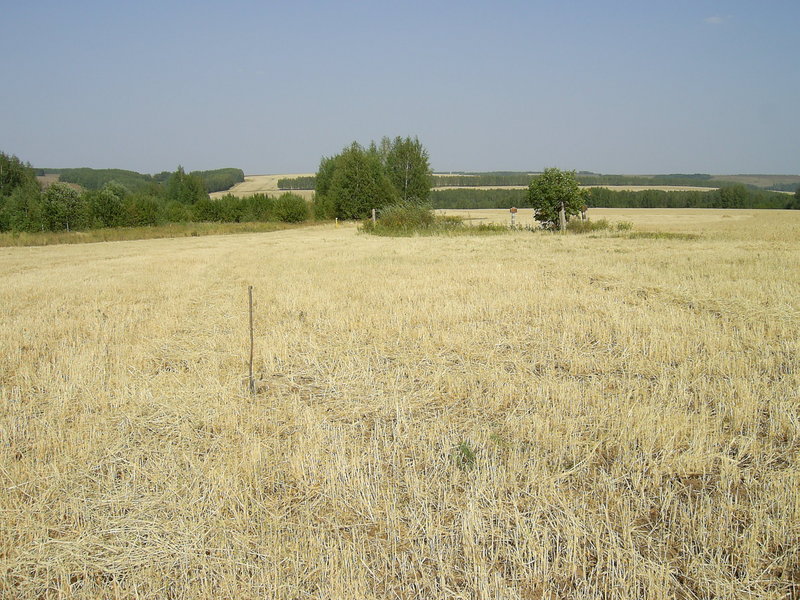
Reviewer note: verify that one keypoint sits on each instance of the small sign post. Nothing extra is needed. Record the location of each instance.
(513, 211)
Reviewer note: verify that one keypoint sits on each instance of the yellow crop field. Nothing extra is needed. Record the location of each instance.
(264, 184)
(517, 416)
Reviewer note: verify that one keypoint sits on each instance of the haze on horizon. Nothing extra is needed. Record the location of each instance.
(611, 87)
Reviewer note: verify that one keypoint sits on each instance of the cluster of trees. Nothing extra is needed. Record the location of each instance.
(350, 184)
(218, 180)
(94, 179)
(730, 196)
(476, 198)
(734, 196)
(501, 178)
(297, 183)
(182, 197)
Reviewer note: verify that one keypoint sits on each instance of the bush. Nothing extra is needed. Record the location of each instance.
(577, 226)
(407, 215)
(291, 208)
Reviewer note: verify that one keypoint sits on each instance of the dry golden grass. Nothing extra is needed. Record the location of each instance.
(519, 416)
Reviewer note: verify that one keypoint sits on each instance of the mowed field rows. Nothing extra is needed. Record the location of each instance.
(519, 416)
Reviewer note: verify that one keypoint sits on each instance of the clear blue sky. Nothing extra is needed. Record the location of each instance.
(612, 87)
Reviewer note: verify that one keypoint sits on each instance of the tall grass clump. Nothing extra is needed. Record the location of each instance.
(409, 218)
(578, 226)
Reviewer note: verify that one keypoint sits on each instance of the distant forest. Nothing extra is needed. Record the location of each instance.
(120, 198)
(733, 196)
(94, 179)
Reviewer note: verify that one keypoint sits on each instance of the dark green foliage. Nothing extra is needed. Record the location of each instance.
(353, 183)
(64, 209)
(464, 455)
(106, 205)
(187, 189)
(551, 191)
(481, 179)
(23, 209)
(13, 174)
(297, 183)
(408, 168)
(218, 180)
(507, 178)
(736, 196)
(141, 210)
(95, 179)
(291, 208)
(259, 207)
(794, 203)
(181, 199)
(470, 198)
(323, 202)
(176, 212)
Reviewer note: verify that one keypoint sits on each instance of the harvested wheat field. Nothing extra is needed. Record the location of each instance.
(512, 416)
(264, 184)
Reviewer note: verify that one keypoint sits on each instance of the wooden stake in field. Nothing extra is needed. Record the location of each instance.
(562, 218)
(373, 216)
(252, 381)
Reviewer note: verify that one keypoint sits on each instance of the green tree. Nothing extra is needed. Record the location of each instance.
(323, 203)
(553, 190)
(187, 189)
(22, 210)
(13, 174)
(407, 167)
(64, 208)
(106, 205)
(352, 183)
(733, 196)
(291, 208)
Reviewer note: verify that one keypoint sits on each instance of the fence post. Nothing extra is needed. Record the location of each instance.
(373, 216)
(252, 381)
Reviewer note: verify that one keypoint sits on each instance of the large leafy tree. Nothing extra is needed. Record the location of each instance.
(408, 168)
(553, 191)
(186, 189)
(352, 183)
(13, 174)
(64, 208)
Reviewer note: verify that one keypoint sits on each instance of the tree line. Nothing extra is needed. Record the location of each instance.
(358, 179)
(214, 180)
(297, 183)
(733, 196)
(182, 197)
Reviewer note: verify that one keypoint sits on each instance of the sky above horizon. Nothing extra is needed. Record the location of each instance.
(271, 87)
